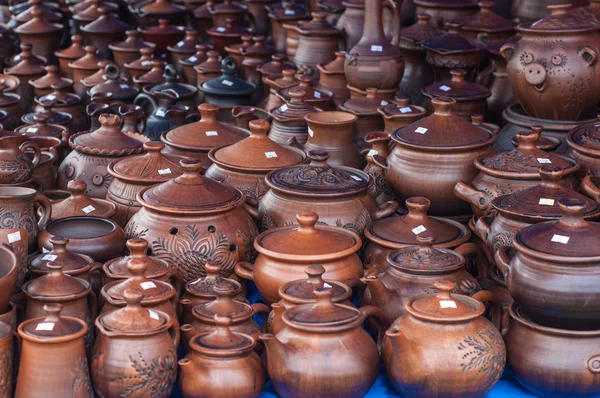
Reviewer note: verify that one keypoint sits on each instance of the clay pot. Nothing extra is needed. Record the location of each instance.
(163, 36)
(583, 148)
(380, 189)
(148, 13)
(78, 204)
(191, 219)
(291, 39)
(540, 88)
(487, 26)
(288, 119)
(138, 342)
(258, 13)
(70, 54)
(133, 173)
(443, 12)
(16, 167)
(169, 80)
(531, 350)
(42, 86)
(164, 112)
(332, 78)
(97, 237)
(16, 239)
(255, 56)
(334, 132)
(188, 63)
(287, 80)
(495, 77)
(8, 277)
(452, 142)
(7, 358)
(317, 41)
(84, 67)
(285, 252)
(65, 102)
(44, 36)
(12, 106)
(26, 70)
(93, 151)
(133, 118)
(219, 356)
(368, 118)
(114, 84)
(399, 114)
(141, 65)
(58, 341)
(104, 31)
(223, 11)
(513, 171)
(312, 96)
(183, 49)
(227, 35)
(209, 69)
(228, 90)
(291, 12)
(128, 51)
(315, 332)
(456, 324)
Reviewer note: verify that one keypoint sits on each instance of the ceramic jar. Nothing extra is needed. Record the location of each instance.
(12, 105)
(7, 353)
(442, 330)
(380, 190)
(487, 26)
(104, 31)
(42, 86)
(137, 342)
(147, 13)
(289, 119)
(245, 163)
(209, 69)
(191, 219)
(400, 114)
(227, 35)
(162, 35)
(217, 357)
(25, 70)
(188, 63)
(120, 90)
(333, 79)
(547, 91)
(334, 132)
(83, 67)
(16, 240)
(286, 80)
(228, 90)
(340, 195)
(43, 35)
(495, 77)
(171, 81)
(8, 276)
(183, 49)
(78, 204)
(129, 50)
(312, 334)
(15, 166)
(70, 54)
(317, 41)
(254, 57)
(285, 252)
(583, 146)
(290, 12)
(141, 65)
(368, 119)
(443, 12)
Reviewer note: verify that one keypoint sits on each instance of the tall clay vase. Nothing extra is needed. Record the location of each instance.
(7, 354)
(334, 132)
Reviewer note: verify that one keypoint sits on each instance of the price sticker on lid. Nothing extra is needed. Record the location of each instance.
(88, 209)
(154, 315)
(270, 155)
(227, 83)
(44, 250)
(50, 257)
(289, 12)
(406, 109)
(31, 130)
(14, 237)
(283, 108)
(445, 88)
(193, 58)
(51, 97)
(48, 326)
(317, 94)
(146, 63)
(546, 202)
(418, 230)
(161, 112)
(211, 133)
(376, 49)
(447, 304)
(383, 103)
(221, 29)
(544, 160)
(164, 171)
(421, 130)
(357, 178)
(325, 284)
(147, 285)
(123, 86)
(560, 239)
(373, 152)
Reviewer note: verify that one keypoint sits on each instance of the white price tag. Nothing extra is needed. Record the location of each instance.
(31, 130)
(221, 29)
(45, 326)
(418, 230)
(123, 86)
(406, 109)
(445, 88)
(377, 49)
(421, 130)
(154, 315)
(44, 250)
(270, 155)
(211, 133)
(50, 257)
(373, 152)
(317, 94)
(544, 160)
(383, 103)
(147, 285)
(325, 284)
(227, 83)
(161, 112)
(283, 108)
(560, 239)
(546, 202)
(164, 171)
(447, 304)
(51, 97)
(146, 63)
(357, 178)
(290, 12)
(311, 132)
(88, 209)
(14, 237)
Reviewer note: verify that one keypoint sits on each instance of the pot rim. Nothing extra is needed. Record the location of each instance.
(76, 218)
(251, 170)
(516, 316)
(532, 219)
(454, 149)
(510, 175)
(53, 340)
(479, 310)
(135, 334)
(553, 259)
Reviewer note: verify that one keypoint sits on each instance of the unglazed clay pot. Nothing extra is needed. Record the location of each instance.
(551, 83)
(285, 252)
(317, 41)
(8, 275)
(340, 195)
(291, 12)
(191, 219)
(487, 26)
(443, 11)
(333, 79)
(584, 147)
(289, 122)
(15, 167)
(70, 54)
(399, 114)
(7, 355)
(365, 109)
(16, 239)
(459, 352)
(495, 77)
(78, 204)
(334, 132)
(313, 334)
(380, 190)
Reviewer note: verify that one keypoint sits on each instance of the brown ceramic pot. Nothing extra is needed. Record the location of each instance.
(42, 86)
(227, 35)
(368, 118)
(183, 49)
(26, 67)
(141, 65)
(8, 276)
(495, 77)
(446, 11)
(487, 26)
(400, 114)
(333, 79)
(334, 132)
(290, 12)
(16, 239)
(288, 119)
(312, 96)
(15, 166)
(43, 35)
(380, 190)
(70, 54)
(188, 63)
(104, 31)
(83, 67)
(287, 80)
(78, 204)
(7, 359)
(317, 41)
(162, 35)
(128, 51)
(583, 147)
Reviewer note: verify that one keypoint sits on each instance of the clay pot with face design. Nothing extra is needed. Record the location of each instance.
(553, 68)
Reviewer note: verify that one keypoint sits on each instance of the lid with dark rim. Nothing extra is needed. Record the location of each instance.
(71, 261)
(458, 88)
(52, 325)
(487, 21)
(227, 83)
(444, 305)
(108, 136)
(203, 287)
(171, 81)
(222, 342)
(258, 152)
(152, 289)
(294, 109)
(442, 129)
(452, 42)
(117, 267)
(133, 318)
(407, 228)
(79, 204)
(401, 108)
(148, 167)
(223, 304)
(303, 290)
(191, 193)
(318, 178)
(541, 201)
(585, 138)
(318, 26)
(307, 239)
(55, 284)
(570, 236)
(425, 258)
(323, 313)
(563, 18)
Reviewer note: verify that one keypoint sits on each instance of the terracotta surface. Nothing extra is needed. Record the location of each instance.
(334, 132)
(8, 275)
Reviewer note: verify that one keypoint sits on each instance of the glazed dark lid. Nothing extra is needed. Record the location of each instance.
(37, 25)
(155, 267)
(442, 130)
(585, 138)
(323, 313)
(406, 229)
(541, 201)
(149, 167)
(71, 261)
(570, 236)
(108, 138)
(52, 325)
(79, 204)
(191, 193)
(425, 258)
(401, 108)
(366, 105)
(318, 178)
(487, 21)
(106, 23)
(133, 318)
(452, 42)
(294, 109)
(171, 79)
(203, 287)
(55, 284)
(303, 290)
(120, 90)
(222, 342)
(563, 18)
(133, 43)
(318, 26)
(307, 240)
(458, 88)
(227, 83)
(223, 304)
(258, 151)
(444, 306)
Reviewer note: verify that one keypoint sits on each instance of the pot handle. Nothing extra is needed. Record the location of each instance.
(386, 209)
(370, 311)
(141, 97)
(37, 153)
(380, 161)
(473, 196)
(176, 280)
(174, 335)
(503, 261)
(594, 364)
(245, 270)
(260, 308)
(589, 189)
(480, 227)
(46, 207)
(395, 5)
(485, 296)
(251, 207)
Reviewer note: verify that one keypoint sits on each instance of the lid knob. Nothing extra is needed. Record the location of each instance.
(163, 23)
(52, 311)
(76, 187)
(41, 118)
(458, 75)
(132, 34)
(137, 247)
(170, 74)
(137, 267)
(296, 95)
(417, 206)
(228, 66)
(318, 158)
(90, 50)
(109, 120)
(307, 221)
(324, 296)
(133, 296)
(425, 243)
(444, 289)
(222, 328)
(527, 139)
(213, 271)
(572, 210)
(443, 106)
(55, 267)
(59, 245)
(559, 9)
(153, 146)
(315, 273)
(208, 112)
(191, 167)
(477, 119)
(551, 174)
(454, 27)
(78, 39)
(223, 291)
(146, 52)
(318, 16)
(486, 6)
(402, 102)
(259, 128)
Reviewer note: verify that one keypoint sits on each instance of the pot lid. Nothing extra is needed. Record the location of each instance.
(318, 26)
(223, 305)
(289, 11)
(187, 45)
(106, 23)
(304, 289)
(163, 7)
(55, 284)
(212, 63)
(286, 80)
(227, 7)
(98, 77)
(258, 152)
(47, 116)
(442, 129)
(307, 239)
(364, 105)
(563, 18)
(108, 138)
(570, 236)
(311, 94)
(487, 21)
(231, 29)
(153, 290)
(444, 305)
(7, 98)
(133, 318)
(133, 43)
(585, 137)
(206, 133)
(155, 267)
(199, 56)
(318, 178)
(52, 76)
(49, 13)
(422, 31)
(407, 228)
(148, 168)
(227, 83)
(90, 13)
(144, 63)
(541, 201)
(258, 52)
(52, 325)
(28, 63)
(163, 28)
(294, 109)
(71, 261)
(458, 88)
(526, 158)
(120, 90)
(79, 204)
(452, 42)
(203, 286)
(154, 75)
(400, 108)
(191, 193)
(446, 3)
(37, 25)
(425, 258)
(171, 81)
(335, 66)
(222, 342)
(548, 144)
(88, 62)
(34, 60)
(60, 96)
(323, 313)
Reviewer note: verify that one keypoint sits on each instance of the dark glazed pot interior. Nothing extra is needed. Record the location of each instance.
(81, 227)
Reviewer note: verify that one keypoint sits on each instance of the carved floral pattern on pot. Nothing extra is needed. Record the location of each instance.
(155, 378)
(501, 240)
(255, 191)
(380, 185)
(483, 353)
(81, 377)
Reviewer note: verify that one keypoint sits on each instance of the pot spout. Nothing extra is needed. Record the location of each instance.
(275, 348)
(379, 292)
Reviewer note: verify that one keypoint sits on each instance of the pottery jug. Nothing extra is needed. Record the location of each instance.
(15, 167)
(333, 132)
(165, 116)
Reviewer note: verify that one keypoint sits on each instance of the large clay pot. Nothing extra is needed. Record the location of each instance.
(334, 132)
(83, 67)
(317, 41)
(487, 26)
(15, 167)
(292, 12)
(103, 31)
(128, 50)
(583, 147)
(458, 351)
(365, 108)
(333, 79)
(399, 114)
(70, 54)
(43, 35)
